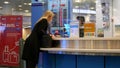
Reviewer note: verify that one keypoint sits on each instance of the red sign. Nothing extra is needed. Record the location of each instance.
(62, 5)
(10, 34)
(60, 17)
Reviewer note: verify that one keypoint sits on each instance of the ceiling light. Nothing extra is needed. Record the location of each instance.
(20, 9)
(19, 5)
(78, 1)
(29, 3)
(99, 5)
(1, 7)
(95, 1)
(25, 3)
(114, 9)
(76, 6)
(92, 8)
(6, 2)
(13, 9)
(26, 11)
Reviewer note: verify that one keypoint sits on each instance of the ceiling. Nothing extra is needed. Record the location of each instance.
(85, 4)
(17, 7)
(23, 7)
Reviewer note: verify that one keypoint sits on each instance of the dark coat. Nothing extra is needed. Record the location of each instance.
(33, 42)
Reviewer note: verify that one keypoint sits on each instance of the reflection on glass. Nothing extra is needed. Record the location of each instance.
(84, 11)
(84, 8)
(79, 11)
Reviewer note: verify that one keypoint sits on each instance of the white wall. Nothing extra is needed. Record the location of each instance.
(109, 32)
(99, 16)
(116, 13)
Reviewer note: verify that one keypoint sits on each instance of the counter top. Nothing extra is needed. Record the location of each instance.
(89, 38)
(83, 51)
(87, 46)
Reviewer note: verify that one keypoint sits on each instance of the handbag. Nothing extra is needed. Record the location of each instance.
(55, 43)
(46, 41)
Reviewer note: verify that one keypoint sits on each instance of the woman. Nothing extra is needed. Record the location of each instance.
(33, 42)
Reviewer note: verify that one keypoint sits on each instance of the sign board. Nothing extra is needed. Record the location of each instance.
(10, 34)
(89, 29)
(74, 30)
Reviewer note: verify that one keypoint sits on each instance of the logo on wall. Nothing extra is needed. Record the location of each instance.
(9, 55)
(3, 19)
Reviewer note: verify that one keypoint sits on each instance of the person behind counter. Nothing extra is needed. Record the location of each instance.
(81, 20)
(33, 42)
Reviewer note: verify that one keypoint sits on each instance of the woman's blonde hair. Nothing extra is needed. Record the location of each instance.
(47, 14)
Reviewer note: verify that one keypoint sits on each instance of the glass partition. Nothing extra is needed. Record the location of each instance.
(84, 8)
(98, 13)
(60, 23)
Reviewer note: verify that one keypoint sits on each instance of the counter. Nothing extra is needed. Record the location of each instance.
(112, 52)
(83, 53)
(89, 38)
(89, 46)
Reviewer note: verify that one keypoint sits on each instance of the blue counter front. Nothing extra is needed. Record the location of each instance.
(79, 61)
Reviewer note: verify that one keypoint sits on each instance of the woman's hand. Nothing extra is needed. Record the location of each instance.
(52, 36)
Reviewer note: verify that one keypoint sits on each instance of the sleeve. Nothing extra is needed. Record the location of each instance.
(42, 26)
